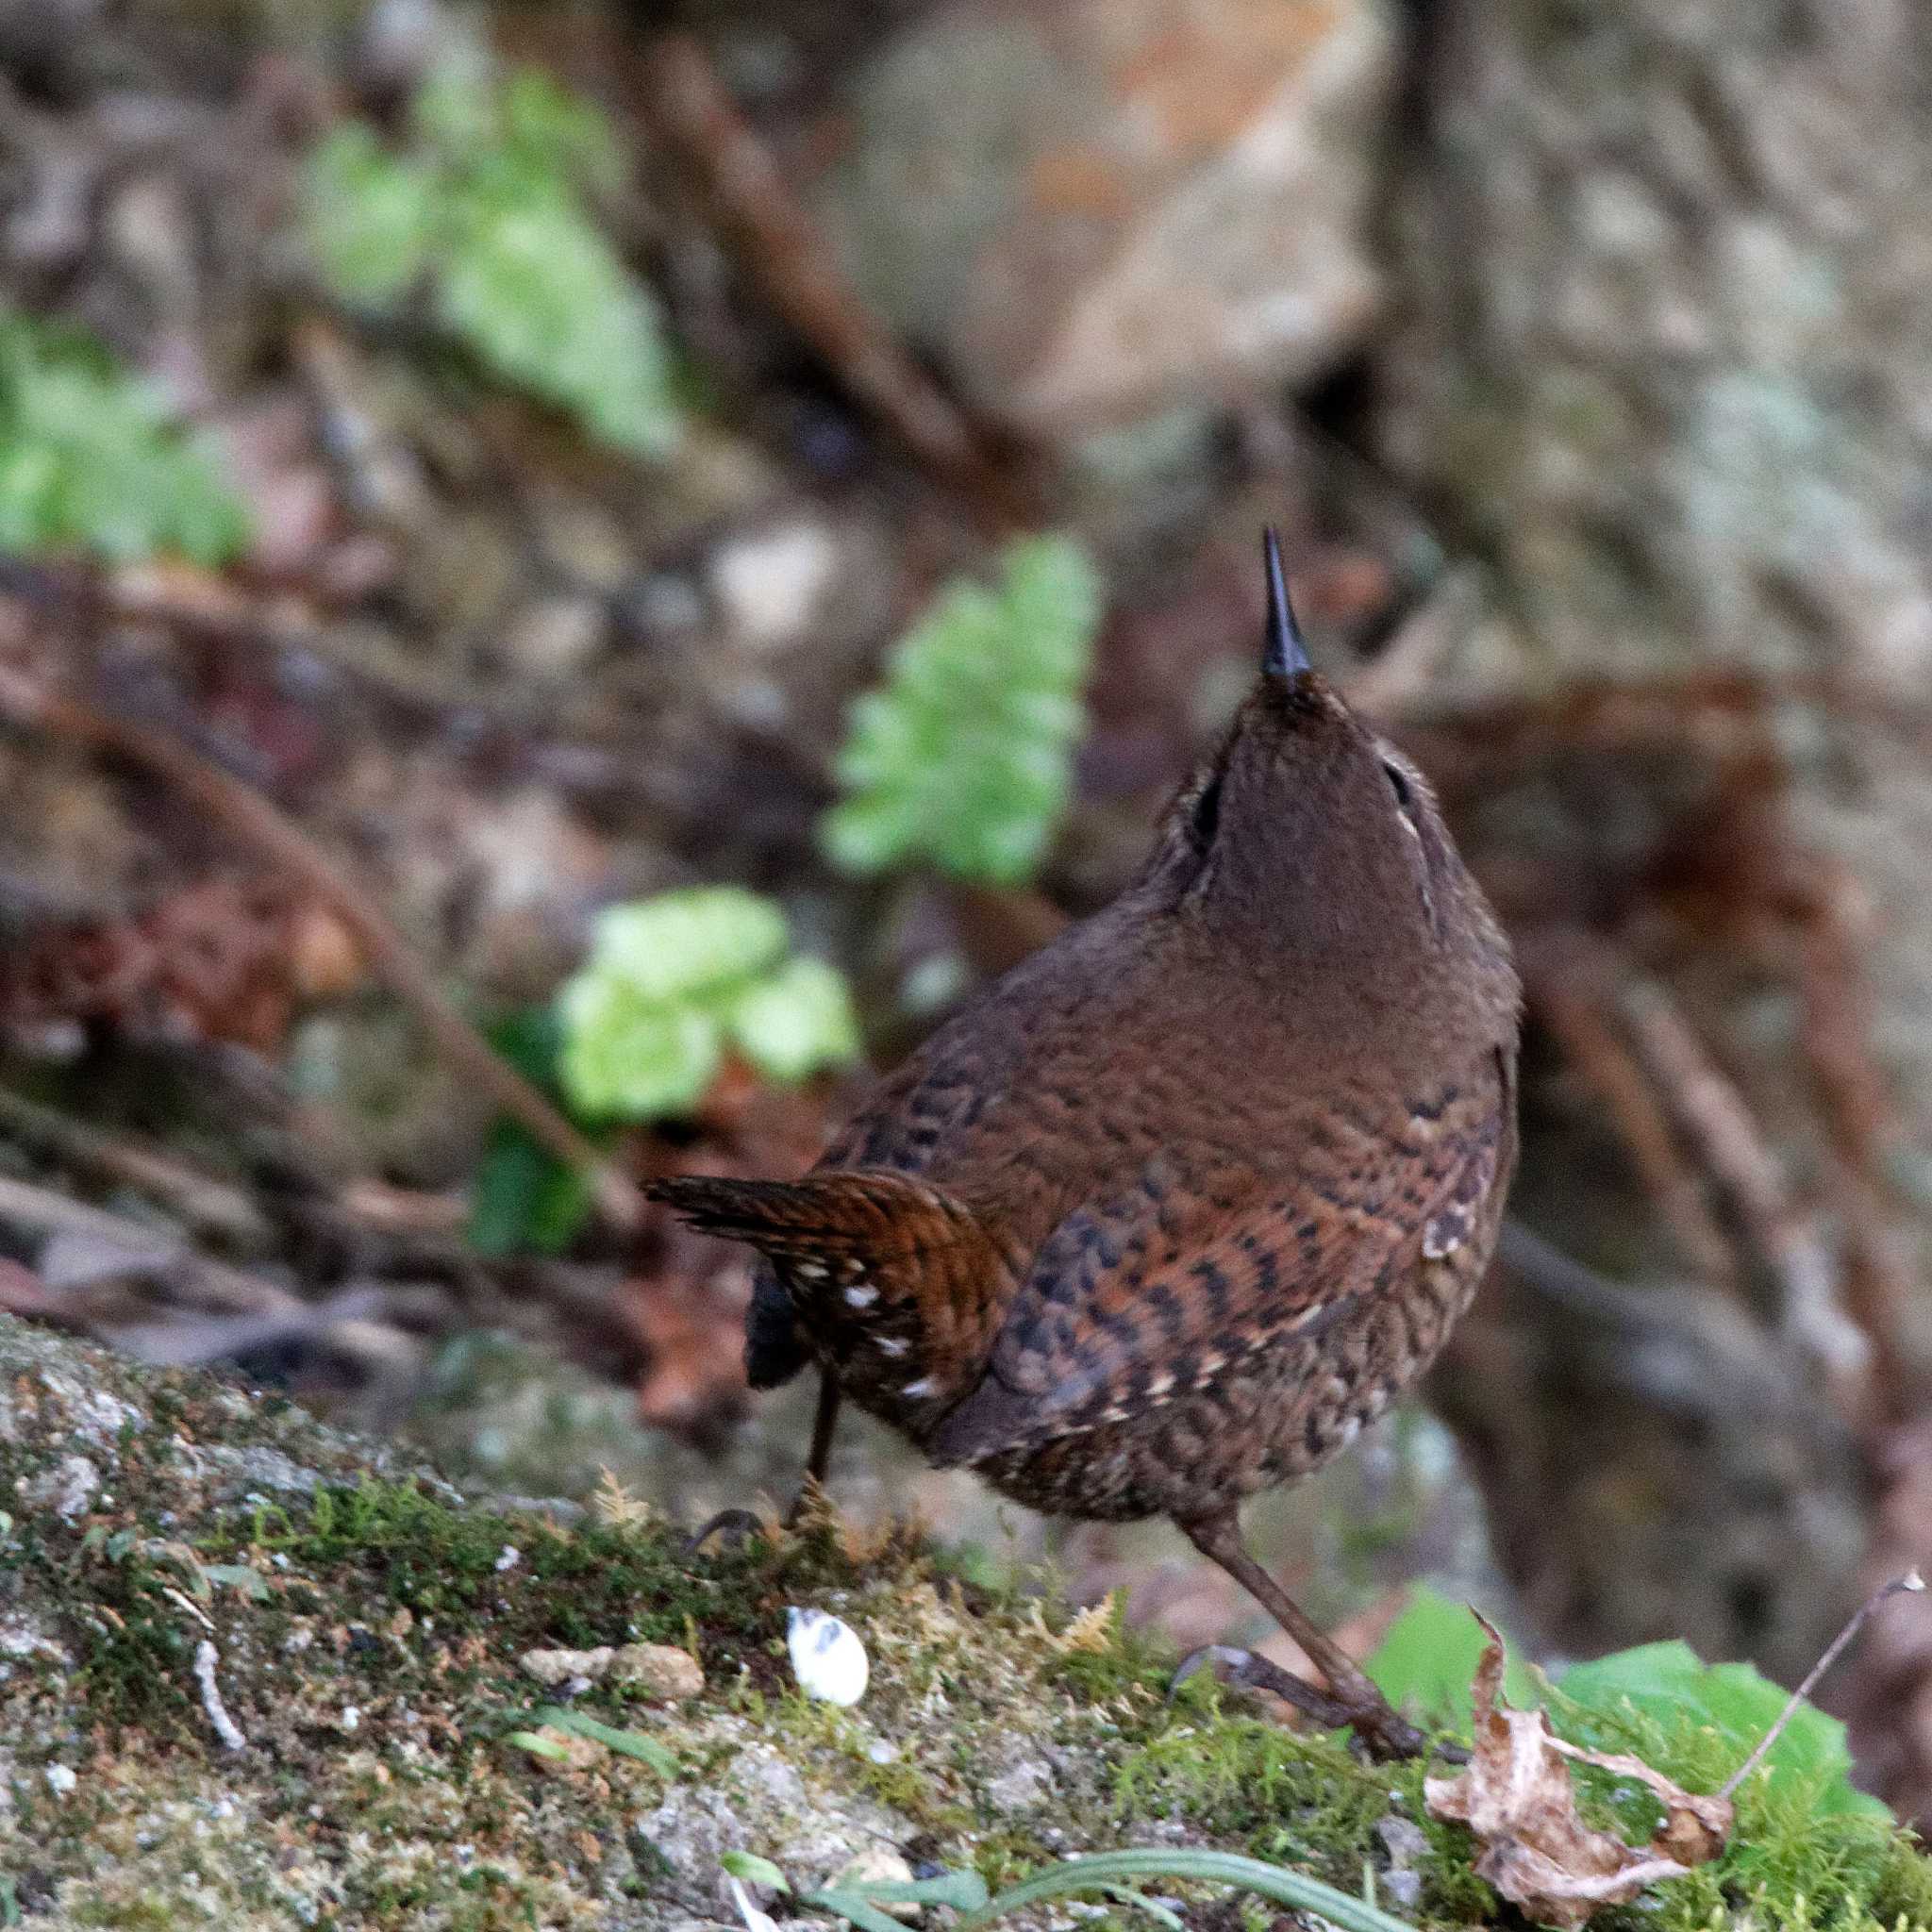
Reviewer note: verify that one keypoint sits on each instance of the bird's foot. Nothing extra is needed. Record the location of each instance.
(736, 1527)
(1257, 1673)
(1384, 1732)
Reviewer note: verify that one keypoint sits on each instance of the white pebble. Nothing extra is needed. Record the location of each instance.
(62, 1781)
(508, 1558)
(770, 583)
(828, 1658)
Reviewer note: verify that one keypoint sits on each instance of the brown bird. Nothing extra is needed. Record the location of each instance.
(1164, 1216)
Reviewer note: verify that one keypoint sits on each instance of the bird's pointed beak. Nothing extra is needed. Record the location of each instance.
(1284, 655)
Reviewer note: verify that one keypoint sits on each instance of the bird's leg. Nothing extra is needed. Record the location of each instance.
(739, 1523)
(1351, 1699)
(818, 1464)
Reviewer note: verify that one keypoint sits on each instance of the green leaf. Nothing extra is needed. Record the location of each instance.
(796, 1021)
(91, 458)
(523, 1198)
(1669, 1685)
(1104, 1871)
(1426, 1661)
(630, 1057)
(486, 207)
(540, 1747)
(371, 218)
(626, 1743)
(555, 132)
(645, 1020)
(964, 1890)
(857, 1911)
(963, 759)
(696, 941)
(533, 290)
(755, 1869)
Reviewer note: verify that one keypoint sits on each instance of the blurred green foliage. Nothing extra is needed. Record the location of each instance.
(1669, 1686)
(640, 1033)
(1428, 1657)
(672, 981)
(963, 758)
(91, 460)
(484, 212)
(524, 1197)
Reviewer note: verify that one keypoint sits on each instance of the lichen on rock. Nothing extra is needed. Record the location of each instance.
(367, 1639)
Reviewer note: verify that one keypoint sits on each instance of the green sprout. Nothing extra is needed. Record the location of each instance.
(484, 213)
(965, 756)
(674, 981)
(91, 458)
(671, 986)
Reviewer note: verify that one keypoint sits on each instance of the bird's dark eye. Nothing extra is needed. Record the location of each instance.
(1398, 783)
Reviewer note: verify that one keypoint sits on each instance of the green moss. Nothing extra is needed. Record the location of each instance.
(1296, 1799)
(376, 1673)
(1793, 1859)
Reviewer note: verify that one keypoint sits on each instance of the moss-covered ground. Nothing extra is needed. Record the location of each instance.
(367, 1623)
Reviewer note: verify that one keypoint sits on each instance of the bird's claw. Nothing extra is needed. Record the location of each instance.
(738, 1525)
(1384, 1732)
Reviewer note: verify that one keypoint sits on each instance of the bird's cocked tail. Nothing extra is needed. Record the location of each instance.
(888, 1278)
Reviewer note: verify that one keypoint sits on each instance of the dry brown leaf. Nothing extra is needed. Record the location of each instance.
(1517, 1797)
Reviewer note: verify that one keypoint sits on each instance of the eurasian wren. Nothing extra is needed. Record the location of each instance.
(1168, 1213)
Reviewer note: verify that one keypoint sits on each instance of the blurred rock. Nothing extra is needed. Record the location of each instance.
(659, 1670)
(555, 1668)
(1666, 276)
(1092, 212)
(1663, 368)
(556, 638)
(770, 582)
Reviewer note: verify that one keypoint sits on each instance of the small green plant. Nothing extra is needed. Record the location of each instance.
(1807, 1847)
(91, 460)
(1428, 1657)
(672, 982)
(483, 214)
(1731, 1705)
(963, 759)
(1109, 1875)
(671, 986)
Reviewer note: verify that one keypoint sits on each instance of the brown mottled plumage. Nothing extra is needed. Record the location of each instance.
(1168, 1213)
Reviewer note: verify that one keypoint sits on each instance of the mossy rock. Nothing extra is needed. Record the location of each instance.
(366, 1623)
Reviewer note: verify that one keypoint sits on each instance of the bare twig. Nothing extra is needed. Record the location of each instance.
(213, 1205)
(1836, 1035)
(1712, 1115)
(215, 1284)
(261, 824)
(1910, 1581)
(1571, 979)
(779, 246)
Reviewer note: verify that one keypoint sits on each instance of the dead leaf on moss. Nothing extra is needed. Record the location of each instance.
(1517, 1797)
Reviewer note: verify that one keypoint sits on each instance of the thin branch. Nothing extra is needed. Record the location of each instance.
(1859, 1118)
(779, 246)
(206, 1202)
(214, 1284)
(257, 823)
(1571, 980)
(1725, 1139)
(1910, 1581)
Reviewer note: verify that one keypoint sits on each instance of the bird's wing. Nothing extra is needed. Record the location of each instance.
(1146, 1296)
(880, 1269)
